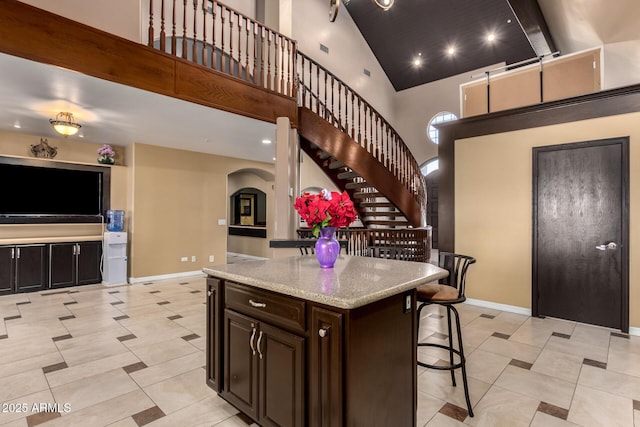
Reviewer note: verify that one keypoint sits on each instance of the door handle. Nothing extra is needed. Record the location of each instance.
(258, 344)
(253, 335)
(610, 246)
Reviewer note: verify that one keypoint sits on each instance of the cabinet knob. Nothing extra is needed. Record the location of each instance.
(322, 332)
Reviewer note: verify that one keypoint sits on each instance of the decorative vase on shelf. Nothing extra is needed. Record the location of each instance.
(327, 247)
(106, 160)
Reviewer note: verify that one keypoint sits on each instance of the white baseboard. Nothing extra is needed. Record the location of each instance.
(245, 256)
(501, 307)
(166, 276)
(114, 284)
(521, 310)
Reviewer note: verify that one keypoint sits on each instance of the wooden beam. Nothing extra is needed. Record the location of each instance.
(534, 25)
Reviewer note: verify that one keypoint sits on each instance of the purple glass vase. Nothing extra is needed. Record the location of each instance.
(327, 247)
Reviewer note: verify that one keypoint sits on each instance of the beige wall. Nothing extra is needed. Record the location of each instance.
(493, 207)
(178, 197)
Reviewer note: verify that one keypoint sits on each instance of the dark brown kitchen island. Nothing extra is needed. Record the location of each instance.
(292, 344)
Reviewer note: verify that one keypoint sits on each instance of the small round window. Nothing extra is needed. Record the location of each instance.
(441, 117)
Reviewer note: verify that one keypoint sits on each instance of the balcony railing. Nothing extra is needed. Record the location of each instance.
(408, 244)
(223, 39)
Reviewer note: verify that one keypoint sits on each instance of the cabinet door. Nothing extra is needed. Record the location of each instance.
(281, 384)
(62, 262)
(214, 323)
(241, 362)
(325, 368)
(88, 259)
(6, 269)
(31, 271)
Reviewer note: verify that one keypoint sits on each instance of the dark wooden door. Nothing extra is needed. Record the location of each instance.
(580, 235)
(62, 264)
(7, 273)
(431, 182)
(281, 386)
(31, 271)
(88, 255)
(241, 362)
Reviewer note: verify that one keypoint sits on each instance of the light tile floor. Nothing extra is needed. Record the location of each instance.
(134, 355)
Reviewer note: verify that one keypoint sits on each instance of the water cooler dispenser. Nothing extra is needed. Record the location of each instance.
(114, 266)
(115, 258)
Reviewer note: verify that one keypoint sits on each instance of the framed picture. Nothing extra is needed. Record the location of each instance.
(247, 204)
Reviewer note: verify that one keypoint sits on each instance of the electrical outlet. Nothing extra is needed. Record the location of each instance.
(407, 303)
(193, 258)
(212, 258)
(222, 222)
(184, 259)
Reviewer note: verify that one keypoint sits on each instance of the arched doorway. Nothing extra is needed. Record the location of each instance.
(250, 213)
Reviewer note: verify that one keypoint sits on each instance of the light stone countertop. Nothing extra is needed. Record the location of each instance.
(36, 240)
(354, 281)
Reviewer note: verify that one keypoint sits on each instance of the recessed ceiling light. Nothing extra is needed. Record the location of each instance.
(81, 136)
(17, 125)
(491, 37)
(274, 159)
(266, 141)
(417, 61)
(508, 21)
(451, 51)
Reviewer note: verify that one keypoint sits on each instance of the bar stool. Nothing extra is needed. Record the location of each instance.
(448, 292)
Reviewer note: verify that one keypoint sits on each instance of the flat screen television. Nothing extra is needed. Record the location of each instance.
(44, 191)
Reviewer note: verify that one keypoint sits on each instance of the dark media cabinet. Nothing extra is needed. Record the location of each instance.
(41, 266)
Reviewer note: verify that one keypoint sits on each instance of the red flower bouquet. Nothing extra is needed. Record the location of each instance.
(325, 209)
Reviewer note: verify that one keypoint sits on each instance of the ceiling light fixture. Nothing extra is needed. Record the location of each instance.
(451, 51)
(64, 124)
(418, 60)
(491, 37)
(384, 4)
(266, 141)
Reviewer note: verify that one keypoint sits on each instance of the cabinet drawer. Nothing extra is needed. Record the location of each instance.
(267, 306)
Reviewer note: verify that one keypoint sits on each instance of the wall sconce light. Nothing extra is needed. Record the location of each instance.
(64, 124)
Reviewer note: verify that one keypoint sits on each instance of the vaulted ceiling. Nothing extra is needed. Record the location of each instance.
(412, 39)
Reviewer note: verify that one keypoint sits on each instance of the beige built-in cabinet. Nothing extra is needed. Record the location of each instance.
(544, 81)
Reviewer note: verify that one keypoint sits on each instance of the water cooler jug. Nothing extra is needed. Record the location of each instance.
(114, 258)
(115, 220)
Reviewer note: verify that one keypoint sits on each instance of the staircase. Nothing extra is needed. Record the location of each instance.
(358, 150)
(355, 146)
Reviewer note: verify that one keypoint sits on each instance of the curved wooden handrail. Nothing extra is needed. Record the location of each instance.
(344, 148)
(340, 105)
